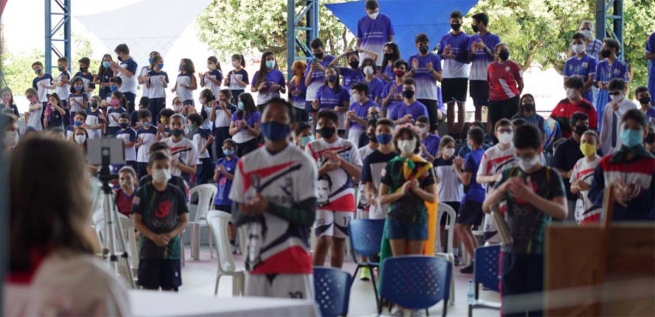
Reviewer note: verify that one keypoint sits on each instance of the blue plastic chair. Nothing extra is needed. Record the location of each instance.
(365, 239)
(332, 289)
(416, 282)
(485, 272)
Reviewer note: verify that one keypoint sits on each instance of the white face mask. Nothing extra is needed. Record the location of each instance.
(617, 98)
(527, 164)
(127, 185)
(449, 151)
(235, 64)
(407, 146)
(79, 139)
(355, 96)
(570, 93)
(11, 138)
(587, 34)
(373, 16)
(368, 70)
(421, 130)
(506, 137)
(161, 176)
(578, 48)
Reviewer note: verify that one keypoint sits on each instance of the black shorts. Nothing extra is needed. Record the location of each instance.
(225, 208)
(479, 92)
(433, 112)
(470, 213)
(444, 217)
(454, 89)
(156, 273)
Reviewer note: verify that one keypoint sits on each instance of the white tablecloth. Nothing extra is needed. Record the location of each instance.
(164, 304)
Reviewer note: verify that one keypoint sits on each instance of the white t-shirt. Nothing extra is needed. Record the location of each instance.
(610, 134)
(184, 80)
(148, 137)
(583, 170)
(92, 119)
(447, 181)
(184, 151)
(144, 88)
(494, 161)
(34, 120)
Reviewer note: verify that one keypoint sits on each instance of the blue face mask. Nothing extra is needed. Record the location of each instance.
(240, 105)
(384, 138)
(160, 65)
(78, 88)
(149, 60)
(106, 64)
(275, 131)
(112, 88)
(306, 139)
(270, 64)
(632, 138)
(227, 152)
(181, 68)
(77, 123)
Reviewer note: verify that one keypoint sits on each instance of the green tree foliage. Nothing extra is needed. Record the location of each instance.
(17, 69)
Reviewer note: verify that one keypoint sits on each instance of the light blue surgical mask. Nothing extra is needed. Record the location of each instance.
(149, 60)
(106, 64)
(632, 138)
(270, 64)
(240, 105)
(306, 139)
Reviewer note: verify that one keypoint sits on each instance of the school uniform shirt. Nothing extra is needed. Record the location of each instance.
(65, 89)
(157, 89)
(42, 92)
(650, 48)
(104, 78)
(13, 108)
(583, 67)
(604, 74)
(273, 77)
(199, 138)
(113, 114)
(128, 135)
(87, 79)
(375, 88)
(123, 201)
(388, 71)
(69, 131)
(144, 88)
(298, 101)
(129, 84)
(184, 151)
(481, 59)
(494, 161)
(35, 118)
(610, 131)
(361, 110)
(318, 78)
(75, 107)
(224, 184)
(329, 98)
(93, 119)
(160, 212)
(426, 85)
(535, 120)
(474, 191)
(566, 155)
(431, 143)
(286, 178)
(222, 120)
(184, 80)
(372, 168)
(416, 110)
(338, 195)
(459, 46)
(241, 75)
(243, 136)
(217, 75)
(362, 203)
(374, 34)
(649, 114)
(148, 136)
(565, 109)
(447, 180)
(388, 90)
(502, 79)
(526, 223)
(351, 76)
(584, 171)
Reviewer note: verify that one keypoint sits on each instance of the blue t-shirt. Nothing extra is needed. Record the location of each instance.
(224, 184)
(426, 85)
(481, 59)
(329, 98)
(392, 102)
(583, 67)
(104, 78)
(431, 143)
(374, 33)
(605, 73)
(273, 77)
(130, 136)
(376, 88)
(459, 46)
(416, 109)
(351, 76)
(362, 112)
(474, 191)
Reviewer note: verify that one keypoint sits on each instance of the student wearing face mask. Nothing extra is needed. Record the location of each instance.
(63, 84)
(425, 69)
(447, 185)
(77, 99)
(528, 112)
(237, 79)
(268, 82)
(649, 140)
(610, 67)
(373, 31)
(117, 104)
(573, 103)
(177, 181)
(393, 91)
(124, 195)
(163, 127)
(213, 78)
(35, 110)
(411, 108)
(351, 73)
(42, 83)
(105, 73)
(244, 125)
(481, 54)
(297, 90)
(583, 173)
(126, 71)
(358, 112)
(593, 46)
(9, 125)
(277, 212)
(634, 187)
(156, 81)
(203, 141)
(184, 154)
(221, 113)
(226, 166)
(129, 139)
(505, 85)
(391, 55)
(532, 195)
(207, 98)
(375, 85)
(87, 77)
(643, 95)
(80, 137)
(614, 111)
(332, 96)
(160, 215)
(303, 135)
(581, 65)
(54, 113)
(429, 142)
(186, 82)
(95, 119)
(145, 137)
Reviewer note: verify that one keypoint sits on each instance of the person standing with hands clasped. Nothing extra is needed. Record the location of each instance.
(606, 70)
(583, 173)
(612, 116)
(426, 71)
(274, 197)
(533, 194)
(160, 215)
(373, 31)
(186, 82)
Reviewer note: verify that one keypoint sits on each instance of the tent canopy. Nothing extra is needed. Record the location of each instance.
(409, 18)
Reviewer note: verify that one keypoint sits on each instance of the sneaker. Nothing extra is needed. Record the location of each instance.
(468, 269)
(398, 312)
(417, 313)
(365, 274)
(458, 261)
(235, 250)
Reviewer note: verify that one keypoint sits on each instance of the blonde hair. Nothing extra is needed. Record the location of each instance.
(298, 65)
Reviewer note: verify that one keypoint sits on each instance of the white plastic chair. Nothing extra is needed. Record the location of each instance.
(206, 195)
(218, 222)
(449, 256)
(130, 240)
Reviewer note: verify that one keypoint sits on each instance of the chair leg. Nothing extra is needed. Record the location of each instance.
(375, 289)
(427, 312)
(211, 244)
(352, 281)
(218, 278)
(183, 248)
(445, 309)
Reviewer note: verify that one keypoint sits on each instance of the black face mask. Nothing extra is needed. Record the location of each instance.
(423, 49)
(644, 100)
(61, 69)
(528, 107)
(475, 28)
(177, 133)
(319, 55)
(503, 55)
(388, 56)
(650, 138)
(83, 69)
(580, 129)
(327, 132)
(455, 26)
(605, 53)
(371, 137)
(408, 93)
(354, 64)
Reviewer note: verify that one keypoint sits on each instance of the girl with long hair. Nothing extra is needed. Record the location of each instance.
(297, 90)
(237, 78)
(244, 126)
(186, 82)
(268, 81)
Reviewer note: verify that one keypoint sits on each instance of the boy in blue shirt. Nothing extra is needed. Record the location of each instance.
(225, 167)
(470, 211)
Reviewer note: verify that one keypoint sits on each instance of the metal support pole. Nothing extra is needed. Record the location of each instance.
(52, 33)
(295, 18)
(610, 11)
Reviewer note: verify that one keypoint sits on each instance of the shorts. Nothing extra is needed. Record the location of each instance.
(141, 169)
(397, 230)
(156, 273)
(479, 92)
(444, 217)
(470, 213)
(332, 223)
(224, 208)
(204, 171)
(454, 89)
(308, 107)
(296, 286)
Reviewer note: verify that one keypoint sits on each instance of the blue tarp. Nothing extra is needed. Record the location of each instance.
(409, 17)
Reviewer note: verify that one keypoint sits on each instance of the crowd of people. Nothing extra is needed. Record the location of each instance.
(357, 138)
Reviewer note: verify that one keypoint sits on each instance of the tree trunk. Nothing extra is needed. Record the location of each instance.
(343, 37)
(530, 57)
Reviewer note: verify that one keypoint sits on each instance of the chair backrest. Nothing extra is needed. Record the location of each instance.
(332, 289)
(130, 239)
(99, 227)
(366, 235)
(452, 216)
(206, 195)
(486, 267)
(218, 222)
(415, 282)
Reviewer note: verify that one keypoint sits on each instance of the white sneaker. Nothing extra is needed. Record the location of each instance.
(417, 313)
(397, 312)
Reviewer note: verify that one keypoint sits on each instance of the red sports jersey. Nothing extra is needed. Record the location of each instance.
(502, 80)
(565, 109)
